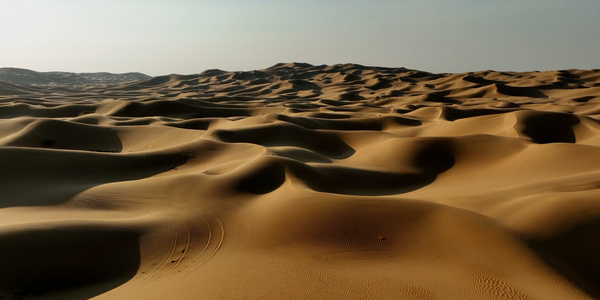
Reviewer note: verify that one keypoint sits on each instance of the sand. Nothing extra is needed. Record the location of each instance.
(303, 182)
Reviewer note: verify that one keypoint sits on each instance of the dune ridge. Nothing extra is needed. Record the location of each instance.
(303, 182)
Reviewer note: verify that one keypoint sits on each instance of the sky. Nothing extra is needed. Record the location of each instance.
(189, 36)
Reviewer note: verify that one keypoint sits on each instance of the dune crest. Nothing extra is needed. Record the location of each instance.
(302, 181)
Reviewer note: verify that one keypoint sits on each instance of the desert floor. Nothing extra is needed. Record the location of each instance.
(303, 182)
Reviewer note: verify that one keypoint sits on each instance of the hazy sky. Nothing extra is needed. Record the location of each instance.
(189, 36)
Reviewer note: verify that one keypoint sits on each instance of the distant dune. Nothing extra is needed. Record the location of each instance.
(300, 182)
(29, 77)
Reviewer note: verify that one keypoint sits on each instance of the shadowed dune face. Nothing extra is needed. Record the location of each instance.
(549, 127)
(302, 181)
(44, 262)
(35, 177)
(573, 252)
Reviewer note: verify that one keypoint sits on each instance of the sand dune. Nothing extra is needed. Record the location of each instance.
(303, 182)
(54, 79)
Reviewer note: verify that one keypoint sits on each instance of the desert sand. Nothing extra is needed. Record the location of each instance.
(303, 182)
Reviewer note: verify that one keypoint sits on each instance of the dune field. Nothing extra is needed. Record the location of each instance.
(303, 182)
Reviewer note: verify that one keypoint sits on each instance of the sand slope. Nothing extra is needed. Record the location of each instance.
(303, 182)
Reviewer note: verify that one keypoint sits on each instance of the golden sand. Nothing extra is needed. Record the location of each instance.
(303, 182)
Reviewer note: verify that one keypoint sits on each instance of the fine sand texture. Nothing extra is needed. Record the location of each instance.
(303, 182)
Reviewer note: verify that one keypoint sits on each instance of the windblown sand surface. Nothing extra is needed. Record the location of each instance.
(304, 182)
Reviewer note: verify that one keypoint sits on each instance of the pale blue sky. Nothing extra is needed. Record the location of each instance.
(186, 36)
